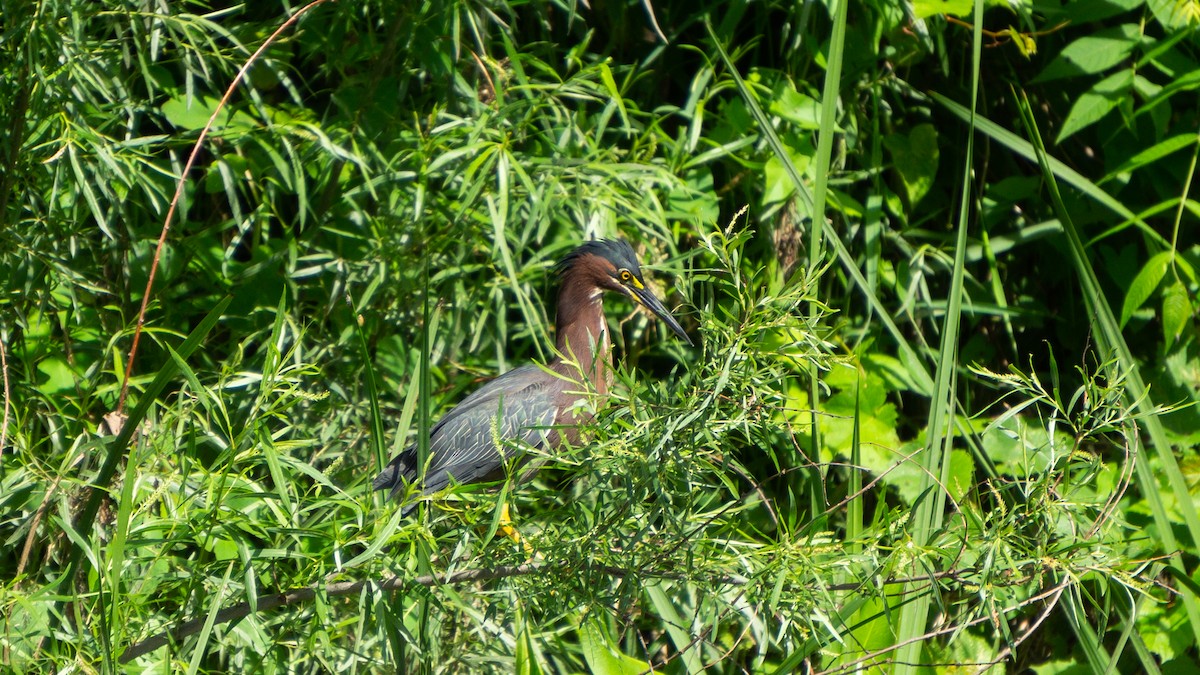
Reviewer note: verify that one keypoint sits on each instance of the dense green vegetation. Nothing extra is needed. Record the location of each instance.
(938, 257)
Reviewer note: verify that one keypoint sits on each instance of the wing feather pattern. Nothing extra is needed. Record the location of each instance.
(468, 442)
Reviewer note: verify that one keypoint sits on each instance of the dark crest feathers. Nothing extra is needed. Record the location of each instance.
(616, 251)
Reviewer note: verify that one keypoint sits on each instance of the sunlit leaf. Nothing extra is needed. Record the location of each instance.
(1177, 310)
(1097, 102)
(1093, 54)
(924, 9)
(1144, 284)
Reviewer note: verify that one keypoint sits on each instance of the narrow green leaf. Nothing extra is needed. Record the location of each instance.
(1059, 169)
(526, 659)
(1111, 339)
(935, 459)
(216, 599)
(615, 96)
(1089, 638)
(86, 519)
(1152, 154)
(1144, 284)
(675, 624)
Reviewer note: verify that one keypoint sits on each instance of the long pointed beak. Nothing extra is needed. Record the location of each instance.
(648, 300)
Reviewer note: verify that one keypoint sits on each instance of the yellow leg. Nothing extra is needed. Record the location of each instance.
(509, 530)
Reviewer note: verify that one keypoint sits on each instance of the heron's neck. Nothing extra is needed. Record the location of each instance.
(582, 332)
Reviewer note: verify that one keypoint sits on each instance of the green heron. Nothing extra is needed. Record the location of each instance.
(542, 407)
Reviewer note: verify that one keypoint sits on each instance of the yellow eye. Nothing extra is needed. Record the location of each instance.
(626, 276)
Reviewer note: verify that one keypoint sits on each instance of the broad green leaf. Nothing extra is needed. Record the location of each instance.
(962, 474)
(916, 159)
(876, 418)
(876, 630)
(906, 476)
(1164, 627)
(1177, 311)
(1095, 11)
(1021, 447)
(224, 549)
(924, 9)
(59, 377)
(1093, 54)
(191, 113)
(966, 647)
(1097, 102)
(696, 199)
(779, 185)
(1185, 82)
(799, 109)
(38, 328)
(1144, 285)
(602, 656)
(1176, 14)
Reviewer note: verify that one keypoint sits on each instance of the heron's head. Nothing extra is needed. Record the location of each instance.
(611, 265)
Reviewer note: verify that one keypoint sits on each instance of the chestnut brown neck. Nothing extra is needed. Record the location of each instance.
(582, 331)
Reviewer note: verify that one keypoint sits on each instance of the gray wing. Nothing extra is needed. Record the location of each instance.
(467, 444)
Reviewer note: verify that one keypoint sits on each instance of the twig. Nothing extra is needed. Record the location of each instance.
(270, 601)
(1012, 646)
(854, 665)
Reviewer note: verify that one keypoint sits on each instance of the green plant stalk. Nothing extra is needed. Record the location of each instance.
(854, 511)
(935, 458)
(377, 445)
(206, 633)
(1183, 199)
(1097, 657)
(427, 628)
(830, 94)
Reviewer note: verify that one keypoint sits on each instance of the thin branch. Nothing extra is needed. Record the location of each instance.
(1042, 616)
(270, 601)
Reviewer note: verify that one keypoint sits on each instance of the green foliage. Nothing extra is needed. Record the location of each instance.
(872, 459)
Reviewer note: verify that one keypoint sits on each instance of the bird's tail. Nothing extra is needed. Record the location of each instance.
(397, 474)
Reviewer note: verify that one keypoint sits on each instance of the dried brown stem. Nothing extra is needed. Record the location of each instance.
(187, 168)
